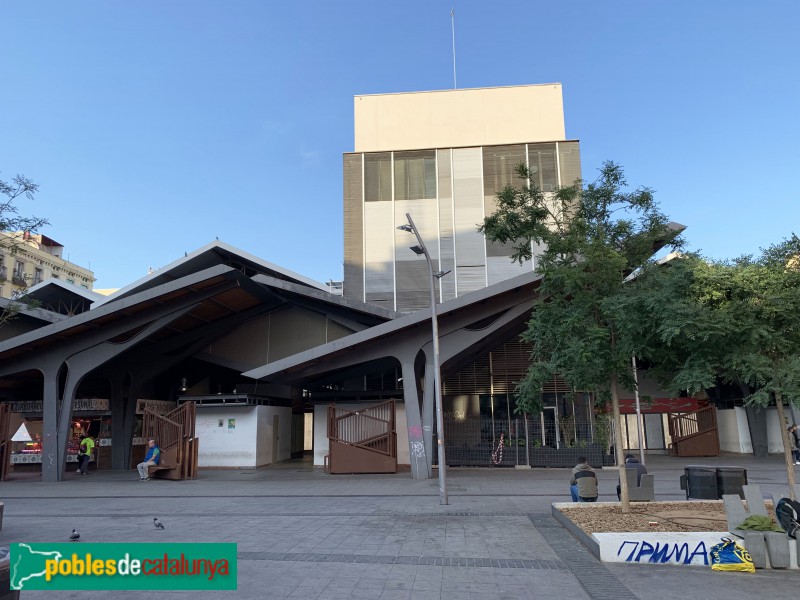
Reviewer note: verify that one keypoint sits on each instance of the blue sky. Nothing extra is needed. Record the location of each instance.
(154, 127)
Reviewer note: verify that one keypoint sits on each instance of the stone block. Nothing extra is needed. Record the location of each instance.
(755, 545)
(777, 549)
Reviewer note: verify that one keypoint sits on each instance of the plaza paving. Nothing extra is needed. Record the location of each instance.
(304, 534)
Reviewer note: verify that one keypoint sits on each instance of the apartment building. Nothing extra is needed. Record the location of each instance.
(28, 259)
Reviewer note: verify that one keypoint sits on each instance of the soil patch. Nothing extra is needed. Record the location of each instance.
(649, 516)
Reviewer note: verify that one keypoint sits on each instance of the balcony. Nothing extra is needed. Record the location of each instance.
(18, 279)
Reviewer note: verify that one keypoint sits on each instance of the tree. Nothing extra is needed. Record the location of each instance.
(594, 237)
(754, 303)
(730, 321)
(13, 224)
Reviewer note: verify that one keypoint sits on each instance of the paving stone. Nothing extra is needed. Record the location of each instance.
(358, 533)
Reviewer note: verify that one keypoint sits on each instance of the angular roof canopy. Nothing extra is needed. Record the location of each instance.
(213, 253)
(370, 344)
(62, 297)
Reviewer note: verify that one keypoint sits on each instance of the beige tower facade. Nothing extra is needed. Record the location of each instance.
(442, 156)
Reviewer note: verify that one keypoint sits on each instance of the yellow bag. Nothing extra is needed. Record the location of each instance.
(730, 556)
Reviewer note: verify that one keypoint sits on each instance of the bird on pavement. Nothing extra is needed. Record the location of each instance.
(157, 523)
(75, 536)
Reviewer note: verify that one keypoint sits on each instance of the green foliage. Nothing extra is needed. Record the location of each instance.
(733, 321)
(760, 298)
(594, 237)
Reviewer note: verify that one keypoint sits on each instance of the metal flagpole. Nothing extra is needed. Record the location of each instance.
(453, 29)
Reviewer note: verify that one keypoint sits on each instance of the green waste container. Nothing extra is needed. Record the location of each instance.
(700, 482)
(730, 480)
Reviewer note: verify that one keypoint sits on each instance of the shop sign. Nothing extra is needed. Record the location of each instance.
(79, 404)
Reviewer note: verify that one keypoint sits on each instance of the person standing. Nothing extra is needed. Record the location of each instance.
(631, 462)
(153, 457)
(583, 483)
(85, 454)
(796, 439)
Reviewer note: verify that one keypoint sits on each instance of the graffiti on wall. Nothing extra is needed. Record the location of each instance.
(662, 553)
(673, 548)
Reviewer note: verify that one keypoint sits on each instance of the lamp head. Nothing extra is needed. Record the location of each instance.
(417, 250)
(440, 274)
(405, 228)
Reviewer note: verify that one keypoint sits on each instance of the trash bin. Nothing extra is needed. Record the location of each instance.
(730, 480)
(701, 482)
(5, 576)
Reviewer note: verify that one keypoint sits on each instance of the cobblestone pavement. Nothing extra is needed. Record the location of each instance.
(304, 534)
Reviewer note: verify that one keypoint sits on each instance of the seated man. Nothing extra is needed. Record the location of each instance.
(152, 457)
(583, 483)
(631, 462)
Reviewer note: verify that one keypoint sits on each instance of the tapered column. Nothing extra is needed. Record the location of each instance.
(50, 470)
(416, 444)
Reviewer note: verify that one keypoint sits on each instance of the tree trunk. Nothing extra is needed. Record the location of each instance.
(787, 444)
(623, 480)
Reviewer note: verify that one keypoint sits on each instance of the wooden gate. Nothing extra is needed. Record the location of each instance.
(363, 441)
(694, 433)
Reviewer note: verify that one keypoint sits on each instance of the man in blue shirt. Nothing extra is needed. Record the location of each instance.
(152, 457)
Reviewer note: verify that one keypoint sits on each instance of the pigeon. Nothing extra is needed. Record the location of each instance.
(75, 536)
(157, 523)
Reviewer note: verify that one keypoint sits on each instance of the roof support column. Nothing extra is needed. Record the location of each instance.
(416, 446)
(123, 413)
(50, 422)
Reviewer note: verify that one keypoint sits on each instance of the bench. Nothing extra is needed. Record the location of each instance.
(761, 545)
(645, 491)
(153, 469)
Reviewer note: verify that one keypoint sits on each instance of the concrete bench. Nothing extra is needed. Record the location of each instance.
(645, 491)
(766, 548)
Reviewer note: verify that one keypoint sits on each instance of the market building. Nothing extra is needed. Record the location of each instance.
(275, 365)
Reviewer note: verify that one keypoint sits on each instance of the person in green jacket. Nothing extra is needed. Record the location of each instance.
(85, 454)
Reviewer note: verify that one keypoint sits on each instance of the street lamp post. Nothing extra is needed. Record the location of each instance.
(639, 427)
(422, 249)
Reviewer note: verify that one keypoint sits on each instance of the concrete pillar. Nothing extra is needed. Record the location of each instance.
(416, 445)
(117, 402)
(50, 399)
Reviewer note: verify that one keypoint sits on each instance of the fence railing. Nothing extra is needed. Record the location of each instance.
(478, 441)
